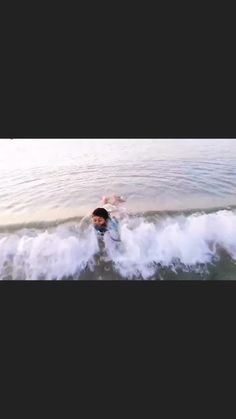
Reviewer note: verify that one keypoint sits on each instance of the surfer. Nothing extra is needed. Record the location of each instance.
(102, 219)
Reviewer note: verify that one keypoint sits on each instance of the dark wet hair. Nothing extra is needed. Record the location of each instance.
(101, 212)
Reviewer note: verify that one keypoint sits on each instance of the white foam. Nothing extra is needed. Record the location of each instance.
(185, 242)
(47, 255)
(190, 241)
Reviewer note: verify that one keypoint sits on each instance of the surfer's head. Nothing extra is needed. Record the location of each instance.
(100, 217)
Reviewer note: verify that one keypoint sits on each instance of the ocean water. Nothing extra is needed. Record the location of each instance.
(180, 208)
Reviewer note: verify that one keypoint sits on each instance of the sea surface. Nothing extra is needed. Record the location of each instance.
(180, 208)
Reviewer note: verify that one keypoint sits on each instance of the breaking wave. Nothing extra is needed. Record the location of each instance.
(149, 246)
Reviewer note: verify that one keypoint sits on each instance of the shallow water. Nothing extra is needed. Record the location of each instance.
(180, 197)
